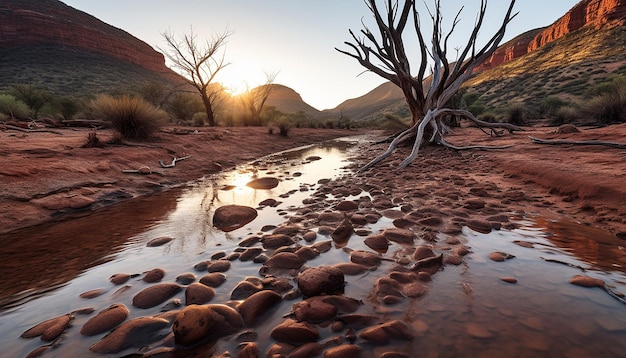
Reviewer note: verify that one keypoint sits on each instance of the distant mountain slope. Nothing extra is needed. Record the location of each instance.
(287, 100)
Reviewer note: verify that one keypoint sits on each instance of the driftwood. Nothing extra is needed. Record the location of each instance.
(173, 163)
(143, 171)
(575, 142)
(86, 123)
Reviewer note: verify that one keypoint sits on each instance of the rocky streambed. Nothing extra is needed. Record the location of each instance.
(313, 260)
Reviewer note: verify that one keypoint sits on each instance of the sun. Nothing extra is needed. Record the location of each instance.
(238, 78)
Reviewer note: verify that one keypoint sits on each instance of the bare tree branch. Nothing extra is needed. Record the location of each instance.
(199, 64)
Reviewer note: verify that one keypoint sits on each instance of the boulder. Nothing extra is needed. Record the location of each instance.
(231, 217)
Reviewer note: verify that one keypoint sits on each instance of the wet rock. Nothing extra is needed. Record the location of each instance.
(213, 279)
(275, 241)
(231, 217)
(249, 241)
(327, 217)
(269, 202)
(377, 242)
(509, 279)
(294, 332)
(248, 350)
(257, 304)
(155, 295)
(342, 233)
(322, 246)
(478, 225)
(414, 289)
(586, 281)
(358, 219)
(134, 333)
(277, 284)
(365, 258)
(398, 235)
(343, 351)
(313, 158)
(422, 252)
(431, 221)
(343, 304)
(347, 205)
(119, 278)
(263, 183)
(289, 230)
(195, 324)
(49, 330)
(197, 294)
(91, 293)
(284, 260)
(325, 230)
(186, 278)
(314, 310)
(105, 320)
(321, 280)
(385, 332)
(526, 244)
(154, 275)
(452, 260)
(250, 253)
(280, 349)
(499, 256)
(309, 236)
(246, 288)
(218, 266)
(394, 355)
(474, 204)
(307, 253)
(159, 241)
(433, 261)
(350, 268)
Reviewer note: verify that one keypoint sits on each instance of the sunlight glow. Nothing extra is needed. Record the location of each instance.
(238, 77)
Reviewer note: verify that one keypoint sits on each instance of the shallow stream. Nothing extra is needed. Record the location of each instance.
(467, 309)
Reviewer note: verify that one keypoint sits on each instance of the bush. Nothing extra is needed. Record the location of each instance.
(131, 117)
(68, 107)
(515, 115)
(488, 117)
(565, 115)
(607, 108)
(12, 107)
(33, 96)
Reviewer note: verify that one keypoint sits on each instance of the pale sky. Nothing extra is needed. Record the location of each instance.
(297, 38)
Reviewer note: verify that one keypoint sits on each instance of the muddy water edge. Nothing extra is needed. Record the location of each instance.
(435, 265)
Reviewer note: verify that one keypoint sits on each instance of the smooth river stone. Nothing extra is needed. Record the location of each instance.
(154, 275)
(159, 241)
(398, 235)
(586, 281)
(295, 332)
(263, 183)
(155, 295)
(321, 280)
(284, 260)
(257, 304)
(383, 333)
(197, 293)
(195, 324)
(231, 217)
(137, 332)
(49, 330)
(105, 320)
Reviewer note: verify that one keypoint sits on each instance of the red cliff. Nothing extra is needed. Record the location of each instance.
(33, 22)
(587, 13)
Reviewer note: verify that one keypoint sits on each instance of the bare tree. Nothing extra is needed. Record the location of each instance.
(199, 64)
(385, 54)
(253, 100)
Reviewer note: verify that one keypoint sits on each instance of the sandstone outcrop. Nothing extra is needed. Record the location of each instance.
(30, 22)
(587, 13)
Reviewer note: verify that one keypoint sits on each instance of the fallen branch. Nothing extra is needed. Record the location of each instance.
(173, 163)
(16, 128)
(575, 142)
(142, 171)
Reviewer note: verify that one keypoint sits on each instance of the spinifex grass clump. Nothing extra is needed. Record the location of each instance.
(132, 117)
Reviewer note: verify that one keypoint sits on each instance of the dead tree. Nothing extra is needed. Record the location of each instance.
(253, 100)
(385, 54)
(199, 64)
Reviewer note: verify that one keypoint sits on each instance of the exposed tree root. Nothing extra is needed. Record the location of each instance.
(16, 128)
(434, 118)
(574, 142)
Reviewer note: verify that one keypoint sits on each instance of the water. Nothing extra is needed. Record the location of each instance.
(467, 310)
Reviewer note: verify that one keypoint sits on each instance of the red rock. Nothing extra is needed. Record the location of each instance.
(105, 320)
(586, 281)
(402, 236)
(231, 217)
(295, 332)
(155, 295)
(321, 280)
(154, 275)
(257, 304)
(285, 260)
(49, 330)
(197, 294)
(159, 241)
(134, 333)
(263, 183)
(509, 279)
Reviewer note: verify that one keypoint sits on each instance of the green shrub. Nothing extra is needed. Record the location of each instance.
(607, 108)
(131, 117)
(476, 108)
(35, 97)
(488, 117)
(68, 107)
(550, 105)
(13, 108)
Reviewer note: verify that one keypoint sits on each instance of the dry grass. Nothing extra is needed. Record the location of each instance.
(132, 117)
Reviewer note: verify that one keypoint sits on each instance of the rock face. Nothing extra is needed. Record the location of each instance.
(587, 13)
(33, 22)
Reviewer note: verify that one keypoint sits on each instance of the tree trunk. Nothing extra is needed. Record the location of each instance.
(209, 110)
